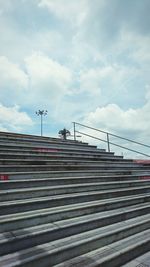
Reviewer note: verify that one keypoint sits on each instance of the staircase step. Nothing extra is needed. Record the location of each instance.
(141, 261)
(51, 214)
(14, 194)
(14, 139)
(55, 252)
(67, 203)
(67, 199)
(31, 236)
(74, 173)
(67, 162)
(28, 183)
(63, 167)
(49, 147)
(116, 254)
(35, 155)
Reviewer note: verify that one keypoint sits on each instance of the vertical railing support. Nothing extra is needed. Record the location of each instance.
(74, 130)
(108, 142)
(41, 124)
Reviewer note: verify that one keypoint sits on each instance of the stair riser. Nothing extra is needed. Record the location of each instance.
(31, 137)
(27, 221)
(61, 174)
(27, 141)
(67, 200)
(63, 163)
(64, 181)
(66, 189)
(9, 196)
(41, 147)
(31, 168)
(59, 155)
(112, 256)
(127, 256)
(52, 258)
(55, 234)
(46, 156)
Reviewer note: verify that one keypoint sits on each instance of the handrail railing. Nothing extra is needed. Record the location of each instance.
(108, 139)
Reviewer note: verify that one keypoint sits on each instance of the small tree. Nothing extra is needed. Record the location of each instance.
(64, 133)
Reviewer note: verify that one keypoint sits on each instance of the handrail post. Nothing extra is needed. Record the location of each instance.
(74, 130)
(108, 142)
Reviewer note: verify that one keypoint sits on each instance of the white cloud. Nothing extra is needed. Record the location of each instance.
(72, 11)
(91, 53)
(13, 82)
(133, 124)
(49, 80)
(12, 74)
(96, 75)
(41, 68)
(114, 118)
(11, 118)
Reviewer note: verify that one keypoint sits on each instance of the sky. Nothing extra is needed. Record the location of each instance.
(81, 60)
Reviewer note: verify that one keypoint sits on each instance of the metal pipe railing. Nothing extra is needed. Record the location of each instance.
(110, 143)
(108, 139)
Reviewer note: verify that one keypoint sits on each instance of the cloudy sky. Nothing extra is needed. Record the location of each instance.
(82, 60)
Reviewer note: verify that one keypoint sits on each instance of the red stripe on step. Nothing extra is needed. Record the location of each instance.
(47, 150)
(142, 161)
(3, 177)
(145, 178)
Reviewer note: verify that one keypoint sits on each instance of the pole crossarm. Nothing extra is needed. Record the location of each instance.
(41, 113)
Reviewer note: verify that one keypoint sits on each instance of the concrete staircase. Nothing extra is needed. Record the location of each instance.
(66, 203)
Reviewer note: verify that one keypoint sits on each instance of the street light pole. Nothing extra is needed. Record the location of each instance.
(41, 113)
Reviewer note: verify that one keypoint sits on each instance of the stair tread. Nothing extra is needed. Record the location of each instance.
(69, 195)
(141, 261)
(107, 253)
(75, 172)
(72, 206)
(124, 176)
(77, 220)
(77, 185)
(65, 202)
(82, 239)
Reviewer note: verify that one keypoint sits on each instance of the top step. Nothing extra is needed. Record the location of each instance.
(27, 137)
(42, 141)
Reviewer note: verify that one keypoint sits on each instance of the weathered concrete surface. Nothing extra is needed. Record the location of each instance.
(70, 204)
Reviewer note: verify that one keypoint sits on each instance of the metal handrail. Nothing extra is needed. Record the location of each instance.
(108, 141)
(114, 144)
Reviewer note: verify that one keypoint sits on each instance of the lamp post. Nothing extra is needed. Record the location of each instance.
(41, 113)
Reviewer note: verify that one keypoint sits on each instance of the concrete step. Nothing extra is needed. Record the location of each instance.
(28, 183)
(74, 173)
(116, 254)
(31, 236)
(11, 134)
(34, 138)
(55, 252)
(141, 261)
(62, 199)
(72, 167)
(38, 174)
(24, 193)
(67, 162)
(60, 156)
(23, 219)
(29, 143)
(58, 152)
(45, 147)
(23, 205)
(36, 155)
